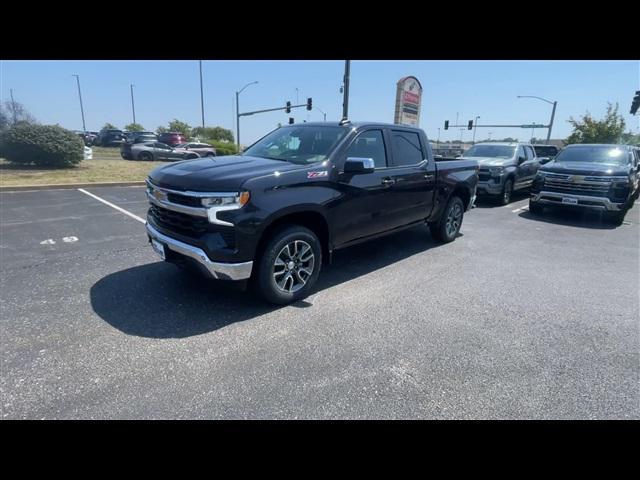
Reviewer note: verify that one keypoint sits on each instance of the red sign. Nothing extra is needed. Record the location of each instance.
(411, 98)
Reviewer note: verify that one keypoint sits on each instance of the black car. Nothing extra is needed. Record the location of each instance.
(109, 138)
(589, 176)
(280, 209)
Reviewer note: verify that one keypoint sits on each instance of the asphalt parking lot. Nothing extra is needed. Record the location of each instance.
(528, 317)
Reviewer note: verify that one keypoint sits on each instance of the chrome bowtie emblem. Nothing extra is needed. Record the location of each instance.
(159, 195)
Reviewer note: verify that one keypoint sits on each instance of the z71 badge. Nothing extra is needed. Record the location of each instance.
(323, 173)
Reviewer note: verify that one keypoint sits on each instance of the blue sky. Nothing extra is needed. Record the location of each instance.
(171, 89)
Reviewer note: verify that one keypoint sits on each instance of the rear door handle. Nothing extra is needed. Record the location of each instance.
(429, 176)
(388, 181)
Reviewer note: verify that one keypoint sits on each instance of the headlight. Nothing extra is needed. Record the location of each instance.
(227, 201)
(230, 199)
(496, 171)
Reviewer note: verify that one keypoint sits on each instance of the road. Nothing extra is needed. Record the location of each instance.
(528, 317)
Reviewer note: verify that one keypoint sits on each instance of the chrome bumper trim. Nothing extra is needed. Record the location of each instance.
(597, 203)
(221, 271)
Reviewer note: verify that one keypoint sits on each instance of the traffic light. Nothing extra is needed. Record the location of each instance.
(470, 126)
(446, 124)
(309, 104)
(288, 109)
(290, 120)
(636, 103)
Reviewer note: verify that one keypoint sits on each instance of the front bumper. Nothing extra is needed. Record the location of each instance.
(491, 187)
(217, 270)
(583, 201)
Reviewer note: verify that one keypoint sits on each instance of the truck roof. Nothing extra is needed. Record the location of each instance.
(350, 124)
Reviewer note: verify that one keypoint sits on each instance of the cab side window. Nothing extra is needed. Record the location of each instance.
(406, 148)
(529, 152)
(369, 144)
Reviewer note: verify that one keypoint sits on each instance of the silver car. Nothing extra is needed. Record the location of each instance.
(159, 151)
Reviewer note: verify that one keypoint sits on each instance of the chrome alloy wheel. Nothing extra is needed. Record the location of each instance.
(293, 266)
(454, 220)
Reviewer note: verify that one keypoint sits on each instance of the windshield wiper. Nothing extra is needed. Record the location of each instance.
(272, 158)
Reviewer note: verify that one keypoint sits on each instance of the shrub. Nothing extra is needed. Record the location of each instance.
(223, 148)
(43, 145)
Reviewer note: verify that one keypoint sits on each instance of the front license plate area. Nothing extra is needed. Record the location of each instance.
(569, 201)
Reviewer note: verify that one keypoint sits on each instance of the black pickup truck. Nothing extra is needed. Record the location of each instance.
(279, 210)
(589, 176)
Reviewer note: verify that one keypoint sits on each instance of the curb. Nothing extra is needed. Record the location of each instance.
(22, 188)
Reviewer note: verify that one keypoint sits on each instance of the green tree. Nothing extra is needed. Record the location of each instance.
(213, 133)
(134, 127)
(630, 139)
(589, 130)
(109, 126)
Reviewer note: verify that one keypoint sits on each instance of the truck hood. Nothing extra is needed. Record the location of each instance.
(491, 161)
(584, 168)
(217, 174)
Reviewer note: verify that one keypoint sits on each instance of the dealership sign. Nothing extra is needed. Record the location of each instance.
(408, 100)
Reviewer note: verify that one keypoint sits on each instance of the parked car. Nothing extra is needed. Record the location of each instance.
(589, 176)
(132, 136)
(202, 149)
(281, 208)
(109, 138)
(504, 168)
(172, 138)
(156, 151)
(126, 147)
(546, 153)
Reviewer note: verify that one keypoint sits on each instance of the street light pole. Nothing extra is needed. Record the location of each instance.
(133, 105)
(461, 132)
(553, 112)
(438, 141)
(84, 128)
(201, 95)
(238, 113)
(475, 127)
(345, 98)
(325, 115)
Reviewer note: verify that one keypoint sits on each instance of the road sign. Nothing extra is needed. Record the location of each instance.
(533, 126)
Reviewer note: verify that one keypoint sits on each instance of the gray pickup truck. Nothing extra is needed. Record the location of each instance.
(504, 168)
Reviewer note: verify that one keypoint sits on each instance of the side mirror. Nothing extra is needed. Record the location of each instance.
(356, 165)
(544, 160)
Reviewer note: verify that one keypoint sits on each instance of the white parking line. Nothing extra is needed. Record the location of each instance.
(135, 217)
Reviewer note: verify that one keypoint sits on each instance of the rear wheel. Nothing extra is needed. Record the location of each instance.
(289, 265)
(447, 228)
(211, 154)
(145, 156)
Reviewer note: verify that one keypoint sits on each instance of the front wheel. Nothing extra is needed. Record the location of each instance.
(447, 228)
(507, 191)
(535, 208)
(289, 265)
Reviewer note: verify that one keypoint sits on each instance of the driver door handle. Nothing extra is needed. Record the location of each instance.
(429, 176)
(388, 181)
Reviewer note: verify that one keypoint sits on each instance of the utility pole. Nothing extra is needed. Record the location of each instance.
(345, 98)
(84, 128)
(201, 95)
(553, 114)
(238, 113)
(438, 142)
(133, 105)
(475, 127)
(13, 104)
(461, 132)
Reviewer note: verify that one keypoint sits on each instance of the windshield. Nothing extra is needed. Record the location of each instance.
(492, 151)
(601, 154)
(300, 145)
(546, 151)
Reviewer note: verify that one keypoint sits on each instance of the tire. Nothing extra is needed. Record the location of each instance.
(145, 156)
(292, 243)
(535, 208)
(507, 192)
(191, 157)
(447, 227)
(210, 154)
(616, 218)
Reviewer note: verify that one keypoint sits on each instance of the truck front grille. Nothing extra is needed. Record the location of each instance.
(567, 184)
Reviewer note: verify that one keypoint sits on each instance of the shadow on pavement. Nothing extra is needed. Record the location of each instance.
(159, 300)
(491, 202)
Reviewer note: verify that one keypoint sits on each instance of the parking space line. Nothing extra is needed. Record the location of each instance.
(135, 217)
